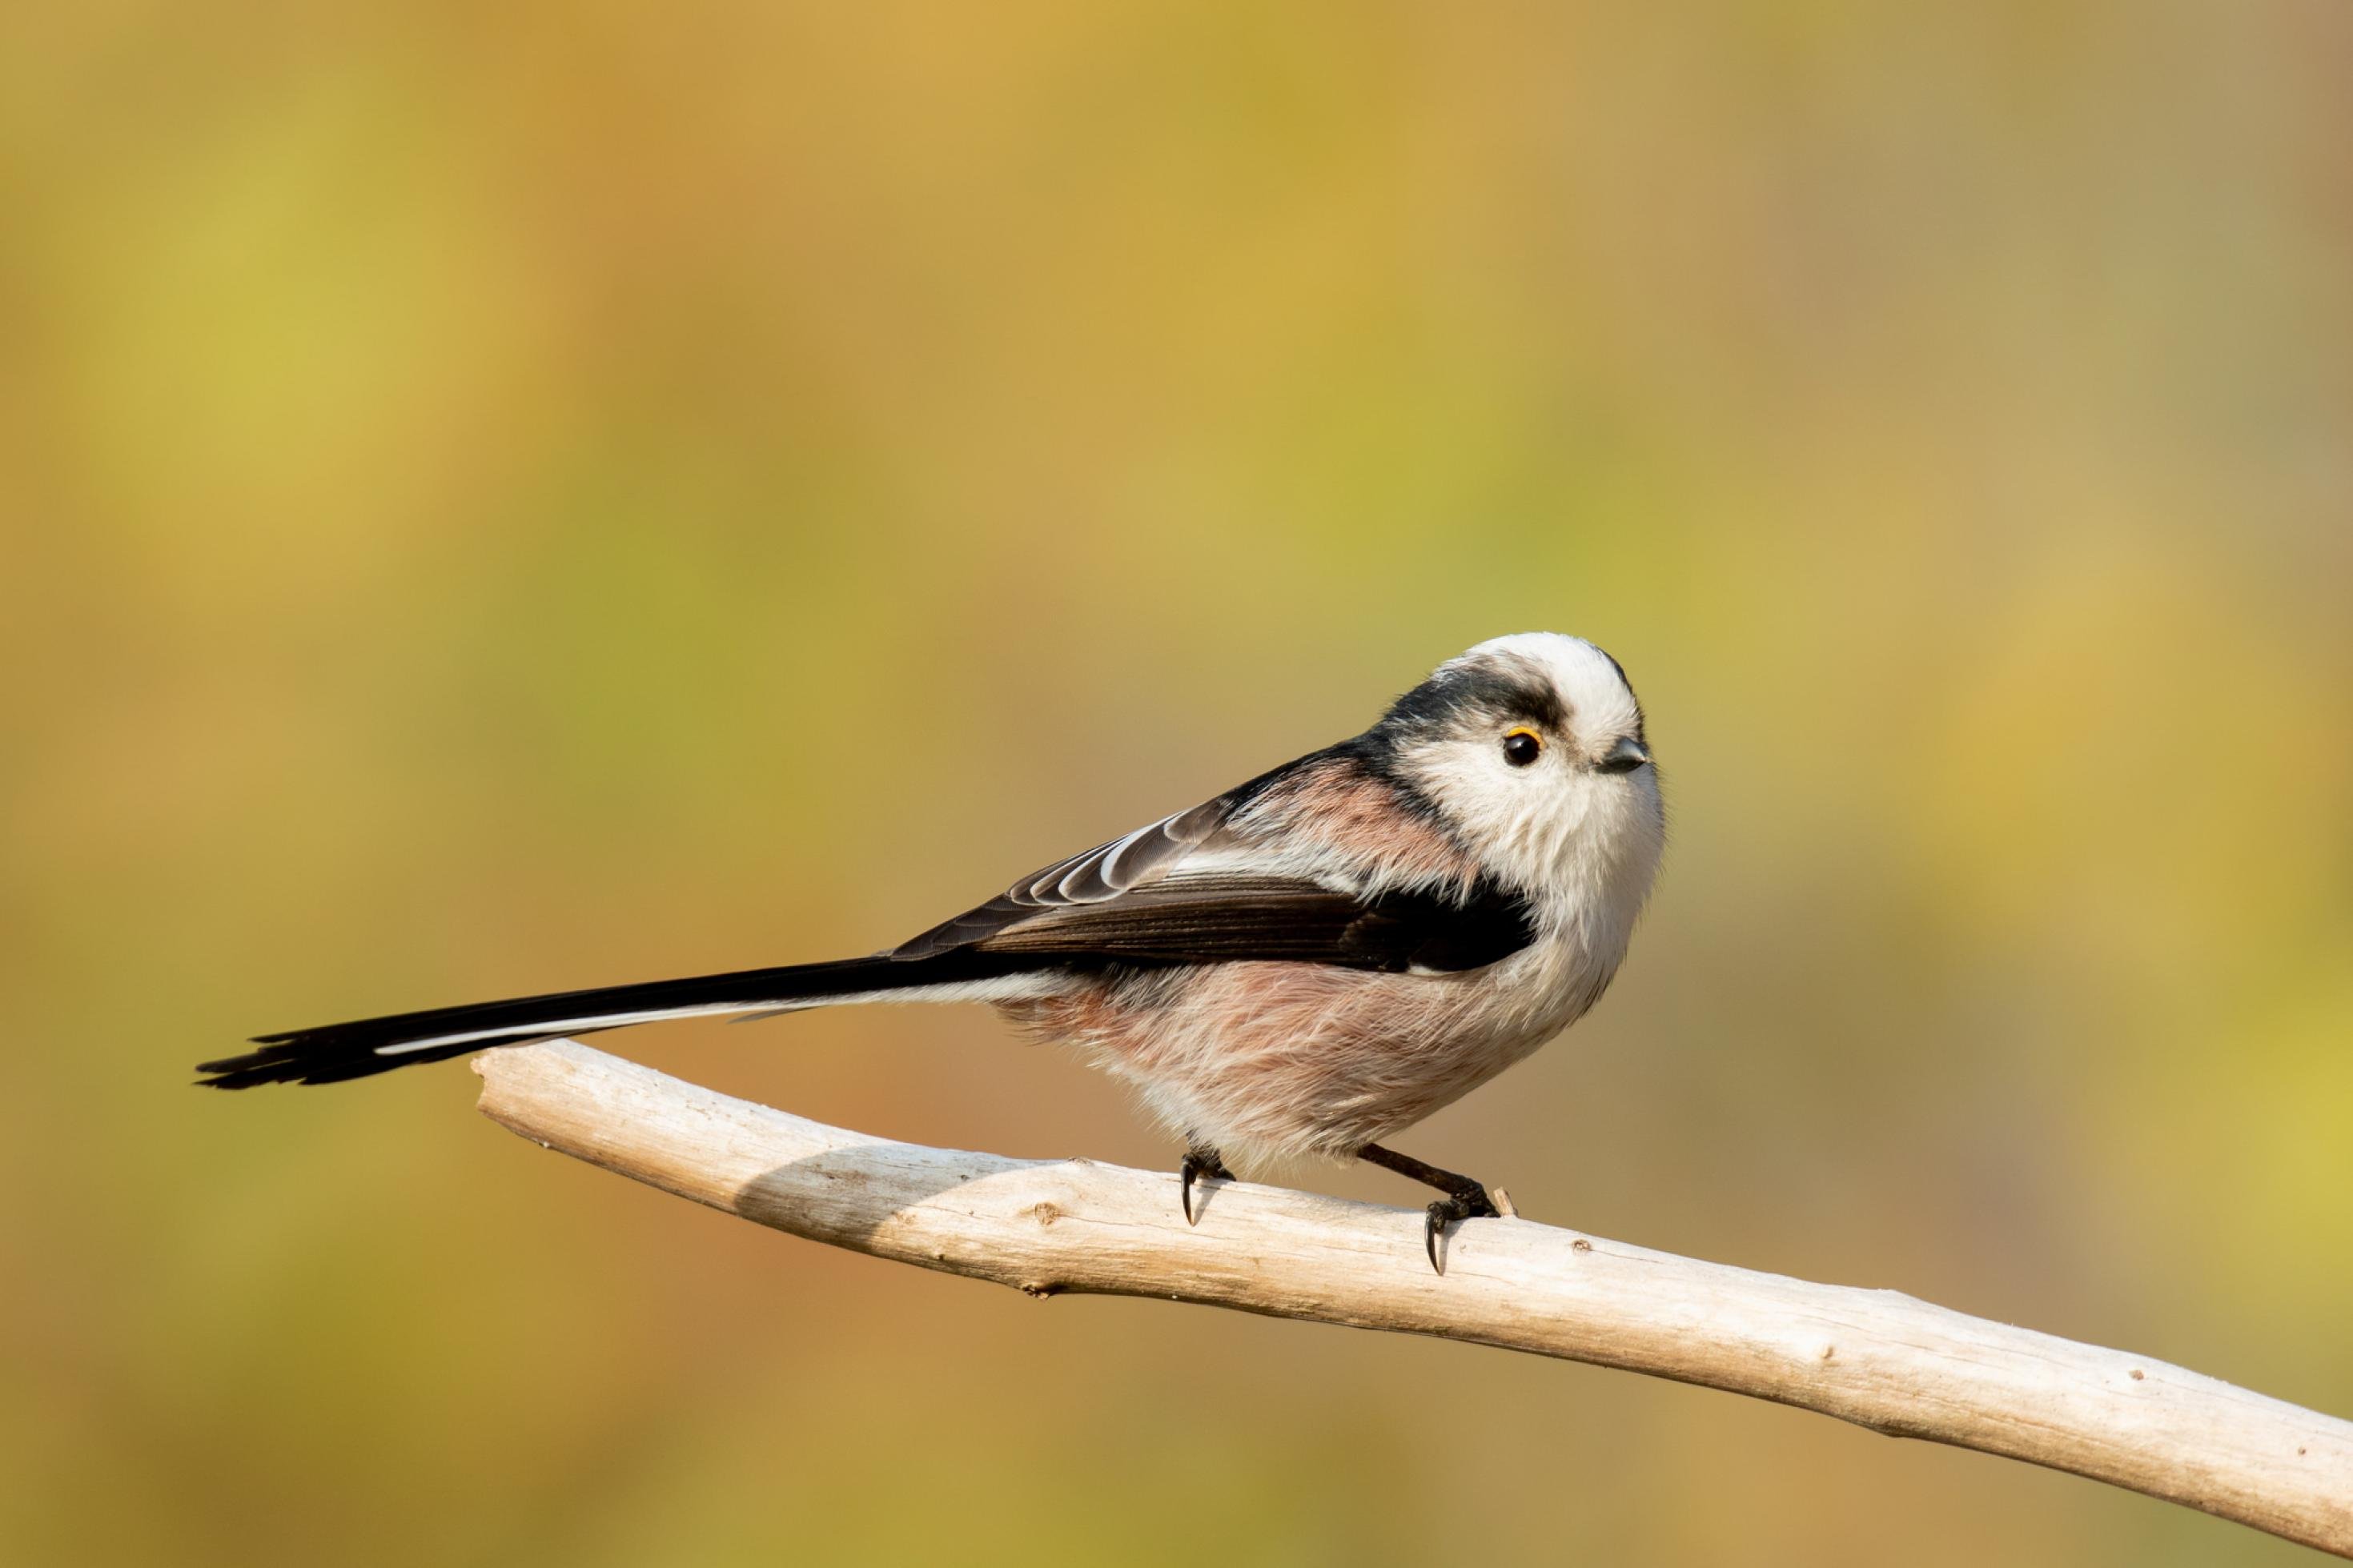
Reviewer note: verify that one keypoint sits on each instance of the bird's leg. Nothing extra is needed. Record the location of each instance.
(1198, 1163)
(1465, 1198)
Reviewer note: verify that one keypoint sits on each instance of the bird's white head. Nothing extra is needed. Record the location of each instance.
(1533, 750)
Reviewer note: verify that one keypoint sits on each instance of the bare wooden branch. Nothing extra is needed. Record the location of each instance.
(1876, 1358)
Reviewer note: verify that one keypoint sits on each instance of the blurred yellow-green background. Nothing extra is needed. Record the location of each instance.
(500, 498)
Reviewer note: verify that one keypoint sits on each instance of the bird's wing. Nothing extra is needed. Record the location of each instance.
(1229, 917)
(1191, 888)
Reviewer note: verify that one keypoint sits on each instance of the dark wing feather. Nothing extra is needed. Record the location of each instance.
(1131, 900)
(1221, 918)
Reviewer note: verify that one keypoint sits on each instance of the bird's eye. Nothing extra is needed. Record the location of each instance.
(1522, 747)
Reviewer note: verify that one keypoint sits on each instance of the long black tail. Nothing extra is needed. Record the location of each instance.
(334, 1052)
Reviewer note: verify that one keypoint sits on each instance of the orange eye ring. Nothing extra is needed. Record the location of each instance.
(1522, 746)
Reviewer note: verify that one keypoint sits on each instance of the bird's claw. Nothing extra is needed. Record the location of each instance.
(1198, 1164)
(1469, 1201)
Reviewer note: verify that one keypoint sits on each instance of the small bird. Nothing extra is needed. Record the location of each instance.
(1300, 968)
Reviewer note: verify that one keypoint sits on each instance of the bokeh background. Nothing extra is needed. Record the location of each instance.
(504, 499)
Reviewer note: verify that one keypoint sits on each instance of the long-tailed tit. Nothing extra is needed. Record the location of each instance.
(1304, 966)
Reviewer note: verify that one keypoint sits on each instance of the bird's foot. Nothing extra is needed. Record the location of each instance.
(1466, 1197)
(1469, 1201)
(1197, 1165)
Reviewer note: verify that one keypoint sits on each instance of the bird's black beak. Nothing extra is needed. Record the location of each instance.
(1625, 757)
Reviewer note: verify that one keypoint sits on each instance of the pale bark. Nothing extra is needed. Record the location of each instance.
(1877, 1358)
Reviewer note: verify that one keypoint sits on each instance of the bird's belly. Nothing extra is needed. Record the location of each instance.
(1271, 1062)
